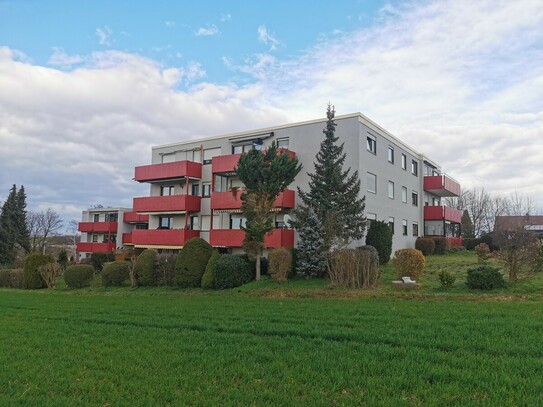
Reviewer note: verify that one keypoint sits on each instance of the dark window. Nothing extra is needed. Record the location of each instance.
(165, 222)
(415, 199)
(404, 227)
(94, 238)
(96, 217)
(282, 143)
(371, 144)
(415, 168)
(404, 162)
(166, 190)
(237, 149)
(196, 189)
(391, 224)
(206, 193)
(391, 155)
(415, 229)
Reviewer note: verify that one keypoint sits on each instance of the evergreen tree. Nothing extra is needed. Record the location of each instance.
(380, 237)
(265, 175)
(8, 228)
(467, 225)
(23, 233)
(334, 193)
(311, 259)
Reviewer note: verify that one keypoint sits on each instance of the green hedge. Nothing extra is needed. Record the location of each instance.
(115, 273)
(97, 260)
(78, 275)
(191, 263)
(442, 245)
(232, 270)
(485, 277)
(12, 278)
(208, 279)
(31, 264)
(145, 268)
(380, 236)
(426, 245)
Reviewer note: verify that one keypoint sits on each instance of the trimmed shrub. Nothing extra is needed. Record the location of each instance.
(485, 277)
(165, 268)
(145, 268)
(97, 260)
(442, 245)
(409, 263)
(32, 276)
(380, 236)
(232, 270)
(425, 245)
(488, 238)
(115, 273)
(483, 252)
(78, 275)
(446, 278)
(280, 264)
(12, 278)
(208, 279)
(470, 242)
(191, 262)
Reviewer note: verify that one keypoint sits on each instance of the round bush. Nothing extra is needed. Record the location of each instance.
(78, 276)
(409, 263)
(145, 268)
(380, 236)
(208, 279)
(485, 278)
(191, 262)
(232, 270)
(97, 260)
(446, 279)
(280, 264)
(442, 245)
(32, 276)
(425, 245)
(115, 273)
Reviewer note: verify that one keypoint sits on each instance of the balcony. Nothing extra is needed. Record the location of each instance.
(127, 238)
(133, 217)
(442, 213)
(165, 171)
(84, 247)
(227, 200)
(234, 238)
(97, 227)
(225, 164)
(170, 203)
(174, 238)
(441, 185)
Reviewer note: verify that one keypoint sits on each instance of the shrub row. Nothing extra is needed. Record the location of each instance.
(12, 278)
(78, 275)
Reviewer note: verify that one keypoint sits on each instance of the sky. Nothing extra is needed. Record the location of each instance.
(86, 88)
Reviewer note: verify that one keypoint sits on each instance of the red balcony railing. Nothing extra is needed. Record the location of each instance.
(234, 238)
(441, 185)
(95, 247)
(442, 213)
(170, 203)
(225, 164)
(176, 169)
(162, 237)
(127, 238)
(133, 217)
(97, 227)
(229, 200)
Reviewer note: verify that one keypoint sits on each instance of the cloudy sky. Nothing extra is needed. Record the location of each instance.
(86, 88)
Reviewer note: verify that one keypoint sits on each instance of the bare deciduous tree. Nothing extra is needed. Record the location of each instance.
(42, 225)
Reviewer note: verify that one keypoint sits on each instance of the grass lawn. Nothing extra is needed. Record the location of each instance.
(258, 346)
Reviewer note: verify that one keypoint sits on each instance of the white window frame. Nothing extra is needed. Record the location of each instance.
(374, 191)
(390, 154)
(391, 189)
(371, 144)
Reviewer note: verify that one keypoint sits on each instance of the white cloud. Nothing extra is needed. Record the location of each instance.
(207, 31)
(266, 38)
(104, 35)
(60, 58)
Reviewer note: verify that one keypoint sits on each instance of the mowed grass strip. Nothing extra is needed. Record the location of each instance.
(234, 349)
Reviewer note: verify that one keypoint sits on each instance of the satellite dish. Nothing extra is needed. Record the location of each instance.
(287, 219)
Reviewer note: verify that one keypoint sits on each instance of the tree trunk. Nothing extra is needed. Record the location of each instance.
(258, 265)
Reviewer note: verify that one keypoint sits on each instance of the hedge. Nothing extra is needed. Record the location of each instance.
(191, 262)
(208, 279)
(115, 273)
(145, 268)
(425, 245)
(78, 275)
(232, 270)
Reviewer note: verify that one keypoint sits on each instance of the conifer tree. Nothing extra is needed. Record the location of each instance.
(466, 225)
(311, 259)
(23, 233)
(8, 229)
(334, 193)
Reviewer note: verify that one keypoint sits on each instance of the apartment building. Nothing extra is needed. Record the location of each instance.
(194, 190)
(108, 229)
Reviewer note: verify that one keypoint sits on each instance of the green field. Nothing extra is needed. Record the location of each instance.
(267, 344)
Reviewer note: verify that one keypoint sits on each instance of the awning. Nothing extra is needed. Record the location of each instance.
(156, 246)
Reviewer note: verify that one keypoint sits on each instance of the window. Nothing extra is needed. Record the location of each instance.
(371, 216)
(237, 149)
(168, 158)
(391, 154)
(414, 198)
(371, 144)
(94, 238)
(196, 189)
(414, 168)
(237, 221)
(371, 181)
(206, 193)
(282, 143)
(391, 224)
(166, 190)
(210, 153)
(165, 222)
(205, 222)
(194, 223)
(404, 227)
(404, 162)
(435, 201)
(404, 194)
(96, 217)
(112, 217)
(391, 189)
(415, 229)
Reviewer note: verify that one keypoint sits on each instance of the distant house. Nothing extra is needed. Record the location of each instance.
(527, 222)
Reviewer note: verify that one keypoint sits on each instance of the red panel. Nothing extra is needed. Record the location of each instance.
(176, 169)
(95, 247)
(234, 238)
(97, 227)
(229, 200)
(127, 238)
(441, 185)
(224, 163)
(455, 241)
(163, 237)
(442, 213)
(189, 203)
(133, 217)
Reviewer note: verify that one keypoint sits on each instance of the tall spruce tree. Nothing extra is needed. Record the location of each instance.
(466, 225)
(23, 233)
(334, 193)
(8, 228)
(311, 259)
